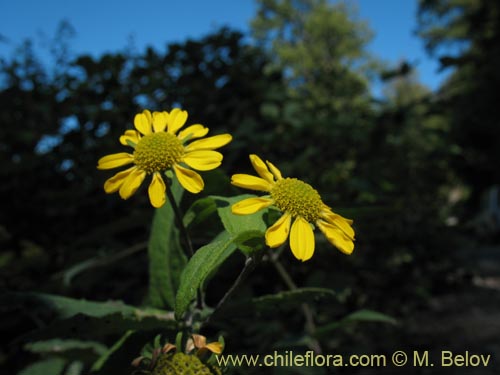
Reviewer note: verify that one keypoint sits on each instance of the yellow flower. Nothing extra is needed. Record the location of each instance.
(299, 203)
(160, 146)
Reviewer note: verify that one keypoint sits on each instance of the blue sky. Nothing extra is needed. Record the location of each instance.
(108, 25)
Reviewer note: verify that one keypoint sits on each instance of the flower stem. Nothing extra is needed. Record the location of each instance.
(306, 309)
(180, 223)
(185, 235)
(250, 264)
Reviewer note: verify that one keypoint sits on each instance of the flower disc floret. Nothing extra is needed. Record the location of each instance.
(180, 363)
(298, 198)
(158, 152)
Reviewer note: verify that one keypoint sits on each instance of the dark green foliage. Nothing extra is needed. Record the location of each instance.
(283, 302)
(166, 257)
(465, 35)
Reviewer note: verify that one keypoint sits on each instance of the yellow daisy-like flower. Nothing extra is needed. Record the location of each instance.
(160, 146)
(299, 203)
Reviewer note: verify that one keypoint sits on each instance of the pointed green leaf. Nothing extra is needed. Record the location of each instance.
(63, 307)
(75, 368)
(199, 211)
(369, 316)
(86, 351)
(291, 298)
(237, 224)
(72, 317)
(357, 316)
(98, 261)
(283, 301)
(52, 366)
(244, 232)
(205, 260)
(166, 257)
(248, 230)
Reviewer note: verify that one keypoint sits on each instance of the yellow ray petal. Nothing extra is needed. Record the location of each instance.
(130, 138)
(261, 168)
(277, 234)
(340, 222)
(172, 114)
(114, 183)
(336, 237)
(160, 121)
(176, 120)
(210, 143)
(190, 180)
(156, 191)
(275, 171)
(329, 211)
(132, 183)
(115, 160)
(193, 131)
(203, 160)
(142, 122)
(247, 181)
(214, 347)
(250, 205)
(302, 239)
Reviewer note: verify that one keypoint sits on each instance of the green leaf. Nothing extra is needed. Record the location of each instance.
(283, 301)
(246, 229)
(52, 366)
(199, 211)
(63, 307)
(166, 258)
(205, 260)
(86, 351)
(238, 224)
(357, 316)
(99, 261)
(370, 316)
(72, 317)
(75, 368)
(242, 231)
(291, 299)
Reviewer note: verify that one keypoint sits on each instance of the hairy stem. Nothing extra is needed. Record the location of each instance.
(246, 270)
(180, 223)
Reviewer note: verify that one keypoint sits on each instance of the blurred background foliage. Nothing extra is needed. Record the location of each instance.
(417, 170)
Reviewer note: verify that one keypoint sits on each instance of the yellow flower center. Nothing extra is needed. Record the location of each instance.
(182, 364)
(298, 198)
(157, 152)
